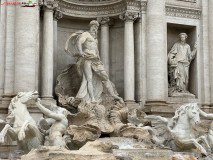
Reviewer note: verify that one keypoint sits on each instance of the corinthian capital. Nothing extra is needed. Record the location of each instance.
(50, 5)
(105, 20)
(57, 15)
(129, 16)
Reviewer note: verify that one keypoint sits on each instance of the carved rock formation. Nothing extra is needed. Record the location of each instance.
(93, 119)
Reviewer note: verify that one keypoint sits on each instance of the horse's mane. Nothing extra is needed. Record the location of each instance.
(182, 110)
(11, 108)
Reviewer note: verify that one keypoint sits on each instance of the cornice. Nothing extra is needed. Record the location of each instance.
(113, 8)
(182, 12)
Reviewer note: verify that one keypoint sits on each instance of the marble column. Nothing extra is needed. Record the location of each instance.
(104, 54)
(56, 16)
(129, 65)
(138, 60)
(47, 54)
(2, 45)
(157, 88)
(205, 95)
(26, 48)
(9, 53)
(210, 33)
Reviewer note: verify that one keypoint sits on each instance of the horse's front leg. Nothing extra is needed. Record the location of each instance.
(202, 150)
(21, 134)
(11, 132)
(196, 144)
(204, 140)
(31, 129)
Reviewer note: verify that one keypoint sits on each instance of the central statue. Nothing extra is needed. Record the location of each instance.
(84, 47)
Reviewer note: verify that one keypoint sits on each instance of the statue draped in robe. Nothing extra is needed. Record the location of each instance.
(179, 59)
(84, 47)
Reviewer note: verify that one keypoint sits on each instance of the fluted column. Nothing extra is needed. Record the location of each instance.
(157, 89)
(9, 52)
(2, 45)
(47, 54)
(210, 29)
(129, 65)
(56, 16)
(104, 54)
(138, 60)
(26, 48)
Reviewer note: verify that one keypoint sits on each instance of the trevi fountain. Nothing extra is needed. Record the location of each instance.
(106, 80)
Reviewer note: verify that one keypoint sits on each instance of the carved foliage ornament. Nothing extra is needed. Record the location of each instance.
(129, 16)
(57, 15)
(50, 4)
(105, 21)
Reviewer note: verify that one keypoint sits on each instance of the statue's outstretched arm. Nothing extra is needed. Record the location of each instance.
(205, 115)
(48, 113)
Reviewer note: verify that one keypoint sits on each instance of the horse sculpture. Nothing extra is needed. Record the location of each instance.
(24, 130)
(178, 133)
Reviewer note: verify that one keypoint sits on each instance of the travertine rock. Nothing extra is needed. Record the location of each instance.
(177, 156)
(96, 150)
(82, 134)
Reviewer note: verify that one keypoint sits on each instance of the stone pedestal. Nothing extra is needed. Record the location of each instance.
(157, 87)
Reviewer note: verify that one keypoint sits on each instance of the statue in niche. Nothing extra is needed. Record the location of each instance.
(179, 59)
(84, 47)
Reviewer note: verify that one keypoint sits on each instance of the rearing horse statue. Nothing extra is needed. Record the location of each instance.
(179, 129)
(20, 126)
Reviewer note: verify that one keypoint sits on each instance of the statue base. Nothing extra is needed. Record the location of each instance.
(159, 108)
(183, 95)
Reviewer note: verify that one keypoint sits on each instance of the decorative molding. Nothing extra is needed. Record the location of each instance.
(143, 5)
(98, 9)
(93, 11)
(105, 21)
(129, 16)
(192, 1)
(174, 11)
(50, 5)
(57, 15)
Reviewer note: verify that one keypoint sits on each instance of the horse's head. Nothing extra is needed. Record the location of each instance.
(27, 97)
(193, 113)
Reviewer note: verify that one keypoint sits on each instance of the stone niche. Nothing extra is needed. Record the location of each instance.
(68, 25)
(173, 30)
